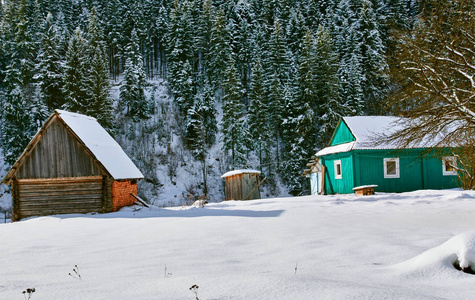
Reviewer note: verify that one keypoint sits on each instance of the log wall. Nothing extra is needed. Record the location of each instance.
(40, 197)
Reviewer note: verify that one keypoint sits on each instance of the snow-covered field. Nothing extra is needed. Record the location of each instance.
(387, 246)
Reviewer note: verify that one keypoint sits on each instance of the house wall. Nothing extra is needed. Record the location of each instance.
(418, 169)
(121, 191)
(433, 175)
(346, 183)
(41, 197)
(370, 170)
(234, 187)
(342, 134)
(249, 182)
(57, 155)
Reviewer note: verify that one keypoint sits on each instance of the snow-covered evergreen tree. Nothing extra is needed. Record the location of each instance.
(180, 59)
(201, 128)
(232, 123)
(21, 111)
(132, 91)
(220, 49)
(329, 107)
(76, 79)
(375, 65)
(258, 113)
(17, 124)
(348, 44)
(101, 103)
(49, 74)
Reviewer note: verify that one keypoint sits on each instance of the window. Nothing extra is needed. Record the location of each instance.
(391, 168)
(448, 165)
(337, 164)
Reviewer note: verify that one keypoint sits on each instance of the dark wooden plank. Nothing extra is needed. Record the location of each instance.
(60, 208)
(47, 212)
(60, 188)
(57, 154)
(59, 180)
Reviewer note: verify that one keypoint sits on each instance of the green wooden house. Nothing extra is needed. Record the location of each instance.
(354, 159)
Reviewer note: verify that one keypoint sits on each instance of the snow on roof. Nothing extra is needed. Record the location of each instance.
(367, 129)
(237, 172)
(107, 151)
(336, 149)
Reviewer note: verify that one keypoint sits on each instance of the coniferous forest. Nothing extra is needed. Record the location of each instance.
(193, 88)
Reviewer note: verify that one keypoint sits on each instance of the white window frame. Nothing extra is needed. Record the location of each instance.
(335, 164)
(396, 160)
(453, 160)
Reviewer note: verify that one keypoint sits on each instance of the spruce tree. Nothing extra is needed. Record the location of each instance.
(180, 58)
(132, 91)
(233, 122)
(220, 49)
(201, 128)
(329, 107)
(76, 79)
(258, 113)
(21, 112)
(375, 66)
(100, 105)
(17, 124)
(348, 43)
(49, 75)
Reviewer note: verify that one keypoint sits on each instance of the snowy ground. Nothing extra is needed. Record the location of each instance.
(387, 246)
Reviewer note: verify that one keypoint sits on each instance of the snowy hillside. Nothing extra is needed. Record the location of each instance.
(173, 176)
(387, 246)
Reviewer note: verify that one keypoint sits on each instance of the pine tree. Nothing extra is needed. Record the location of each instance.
(132, 91)
(49, 76)
(220, 49)
(201, 128)
(375, 66)
(278, 53)
(100, 105)
(16, 124)
(180, 59)
(232, 123)
(203, 43)
(258, 112)
(295, 30)
(300, 123)
(348, 43)
(329, 107)
(21, 112)
(298, 126)
(76, 77)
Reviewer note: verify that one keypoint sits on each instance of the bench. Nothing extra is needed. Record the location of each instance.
(365, 190)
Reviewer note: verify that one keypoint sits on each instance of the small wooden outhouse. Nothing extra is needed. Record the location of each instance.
(72, 165)
(240, 184)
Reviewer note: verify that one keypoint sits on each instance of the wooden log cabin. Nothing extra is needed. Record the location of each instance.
(242, 185)
(72, 165)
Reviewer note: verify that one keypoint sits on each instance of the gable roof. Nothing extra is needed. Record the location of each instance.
(96, 140)
(365, 130)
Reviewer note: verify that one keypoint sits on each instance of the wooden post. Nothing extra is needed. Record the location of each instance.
(323, 179)
(140, 200)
